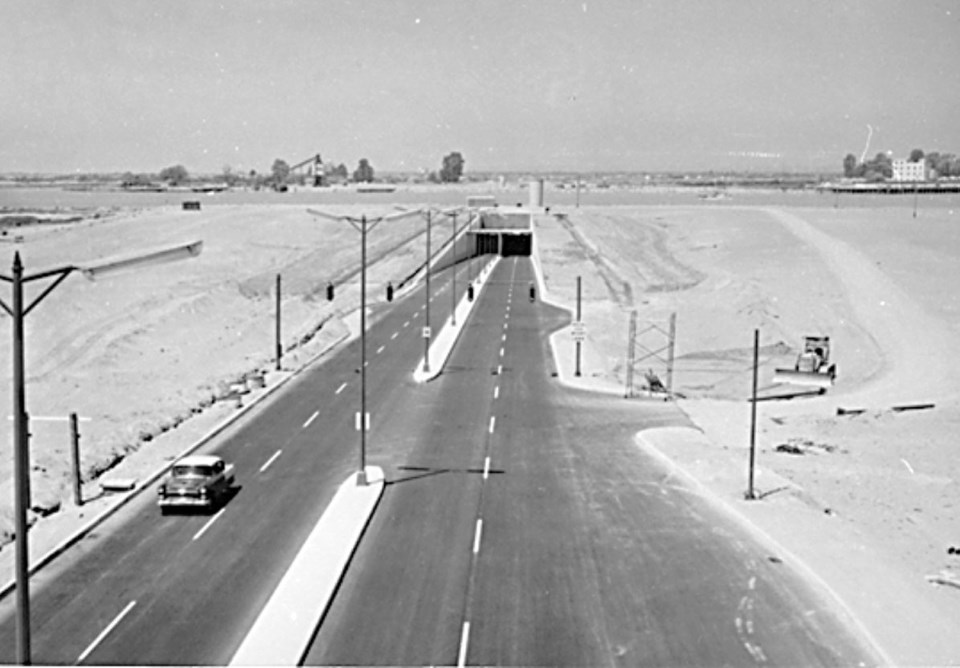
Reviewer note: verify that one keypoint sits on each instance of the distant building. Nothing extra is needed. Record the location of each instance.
(904, 170)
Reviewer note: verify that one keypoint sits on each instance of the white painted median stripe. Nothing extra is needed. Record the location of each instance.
(270, 461)
(311, 419)
(107, 630)
(464, 641)
(341, 388)
(476, 536)
(210, 523)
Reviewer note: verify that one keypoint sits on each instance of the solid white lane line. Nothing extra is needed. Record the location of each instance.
(496, 392)
(103, 634)
(464, 641)
(476, 536)
(493, 422)
(311, 419)
(210, 522)
(380, 349)
(270, 461)
(341, 388)
(394, 335)
(486, 468)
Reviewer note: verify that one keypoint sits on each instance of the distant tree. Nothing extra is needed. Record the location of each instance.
(174, 175)
(230, 177)
(363, 172)
(452, 168)
(280, 171)
(850, 165)
(916, 155)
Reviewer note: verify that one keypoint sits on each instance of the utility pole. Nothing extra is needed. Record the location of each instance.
(279, 347)
(751, 493)
(577, 372)
(21, 435)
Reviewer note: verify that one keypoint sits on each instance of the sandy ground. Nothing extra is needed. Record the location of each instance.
(870, 501)
(869, 504)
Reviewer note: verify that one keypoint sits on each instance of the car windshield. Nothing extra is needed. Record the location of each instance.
(195, 471)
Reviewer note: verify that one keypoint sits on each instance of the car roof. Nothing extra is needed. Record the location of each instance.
(198, 460)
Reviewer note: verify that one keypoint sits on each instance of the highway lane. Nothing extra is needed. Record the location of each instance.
(526, 528)
(183, 590)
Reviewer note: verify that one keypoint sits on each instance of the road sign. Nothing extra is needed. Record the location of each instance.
(426, 332)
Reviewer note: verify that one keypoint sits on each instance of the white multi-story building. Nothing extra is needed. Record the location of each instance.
(904, 170)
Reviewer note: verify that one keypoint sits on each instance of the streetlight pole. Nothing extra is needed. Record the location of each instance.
(21, 436)
(21, 469)
(453, 293)
(363, 225)
(426, 327)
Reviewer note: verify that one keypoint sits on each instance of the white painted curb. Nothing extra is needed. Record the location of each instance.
(282, 632)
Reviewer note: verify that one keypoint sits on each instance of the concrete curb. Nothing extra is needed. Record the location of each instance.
(655, 441)
(284, 629)
(442, 345)
(106, 514)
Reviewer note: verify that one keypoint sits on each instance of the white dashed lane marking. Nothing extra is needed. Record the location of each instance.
(478, 532)
(493, 422)
(270, 461)
(464, 641)
(341, 388)
(103, 634)
(209, 523)
(311, 419)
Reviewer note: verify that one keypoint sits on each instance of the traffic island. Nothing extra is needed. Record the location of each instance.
(282, 633)
(442, 344)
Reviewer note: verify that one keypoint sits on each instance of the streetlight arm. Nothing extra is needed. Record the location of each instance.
(64, 272)
(95, 270)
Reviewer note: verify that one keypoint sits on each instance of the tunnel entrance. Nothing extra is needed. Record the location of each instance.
(504, 243)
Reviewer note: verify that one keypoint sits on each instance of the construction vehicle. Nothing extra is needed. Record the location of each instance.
(813, 366)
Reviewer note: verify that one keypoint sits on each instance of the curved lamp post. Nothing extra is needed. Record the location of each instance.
(21, 470)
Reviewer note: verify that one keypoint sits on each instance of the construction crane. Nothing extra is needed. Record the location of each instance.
(314, 168)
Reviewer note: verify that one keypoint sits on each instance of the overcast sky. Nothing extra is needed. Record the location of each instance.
(613, 85)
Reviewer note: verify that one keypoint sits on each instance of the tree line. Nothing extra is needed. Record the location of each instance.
(281, 174)
(880, 167)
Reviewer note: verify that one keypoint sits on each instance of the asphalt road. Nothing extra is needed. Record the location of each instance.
(146, 589)
(522, 526)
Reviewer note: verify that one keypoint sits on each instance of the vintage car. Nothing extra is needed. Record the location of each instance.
(200, 482)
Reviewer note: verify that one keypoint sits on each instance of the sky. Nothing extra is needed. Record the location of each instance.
(513, 85)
